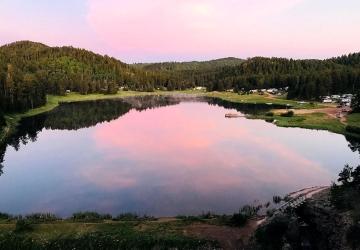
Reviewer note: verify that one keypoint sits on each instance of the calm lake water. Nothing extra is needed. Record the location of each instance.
(161, 156)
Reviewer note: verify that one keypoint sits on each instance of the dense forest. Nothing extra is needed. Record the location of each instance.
(29, 71)
(306, 79)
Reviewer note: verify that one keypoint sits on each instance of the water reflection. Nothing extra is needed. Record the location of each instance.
(161, 156)
(78, 115)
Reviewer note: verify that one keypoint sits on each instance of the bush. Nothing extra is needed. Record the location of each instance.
(5, 216)
(353, 235)
(132, 217)
(270, 212)
(353, 129)
(41, 217)
(189, 218)
(126, 217)
(271, 236)
(208, 215)
(290, 113)
(277, 199)
(355, 104)
(245, 213)
(347, 195)
(90, 217)
(2, 120)
(238, 219)
(269, 114)
(23, 226)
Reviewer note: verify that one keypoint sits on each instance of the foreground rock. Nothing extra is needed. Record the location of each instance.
(314, 225)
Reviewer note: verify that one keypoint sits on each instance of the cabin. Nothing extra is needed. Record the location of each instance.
(272, 91)
(335, 97)
(199, 88)
(327, 100)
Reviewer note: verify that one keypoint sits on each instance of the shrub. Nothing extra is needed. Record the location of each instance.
(290, 113)
(133, 217)
(270, 120)
(208, 215)
(238, 219)
(5, 216)
(90, 217)
(353, 235)
(189, 218)
(277, 199)
(353, 129)
(245, 213)
(269, 114)
(347, 195)
(355, 104)
(2, 120)
(271, 236)
(126, 217)
(23, 226)
(270, 212)
(41, 217)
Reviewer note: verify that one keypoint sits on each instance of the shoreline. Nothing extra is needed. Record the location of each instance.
(208, 229)
(306, 120)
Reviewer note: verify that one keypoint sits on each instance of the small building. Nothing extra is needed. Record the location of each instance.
(199, 88)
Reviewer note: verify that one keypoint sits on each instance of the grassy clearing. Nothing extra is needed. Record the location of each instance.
(263, 99)
(318, 121)
(354, 119)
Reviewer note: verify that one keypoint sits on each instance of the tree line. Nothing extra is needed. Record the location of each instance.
(306, 79)
(29, 71)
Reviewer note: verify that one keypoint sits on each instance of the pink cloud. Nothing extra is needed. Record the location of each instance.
(173, 26)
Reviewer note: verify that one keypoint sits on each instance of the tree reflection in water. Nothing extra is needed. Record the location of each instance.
(78, 115)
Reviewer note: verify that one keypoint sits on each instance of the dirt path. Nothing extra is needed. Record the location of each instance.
(228, 237)
(330, 111)
(308, 192)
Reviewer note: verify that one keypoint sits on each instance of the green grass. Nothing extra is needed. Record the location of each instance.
(354, 119)
(126, 235)
(318, 121)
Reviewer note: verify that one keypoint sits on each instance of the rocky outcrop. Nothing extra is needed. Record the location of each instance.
(316, 224)
(327, 227)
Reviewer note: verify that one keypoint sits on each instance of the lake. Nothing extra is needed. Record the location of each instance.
(160, 156)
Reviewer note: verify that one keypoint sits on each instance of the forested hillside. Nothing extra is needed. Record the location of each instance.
(306, 79)
(29, 71)
(195, 65)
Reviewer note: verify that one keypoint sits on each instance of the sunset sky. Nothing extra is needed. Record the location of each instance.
(180, 30)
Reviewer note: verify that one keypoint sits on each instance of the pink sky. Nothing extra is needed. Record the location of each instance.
(162, 30)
